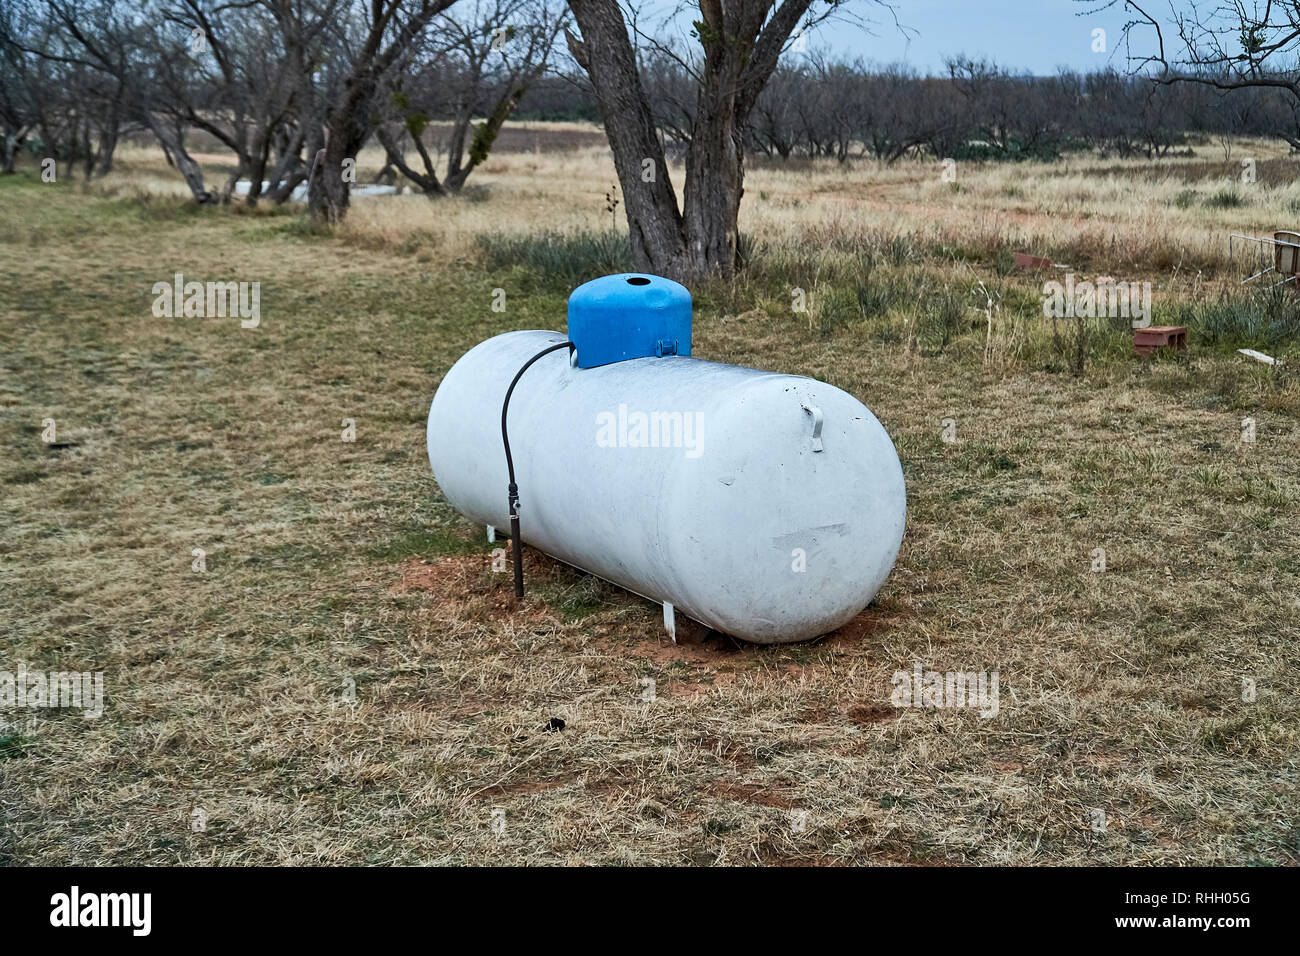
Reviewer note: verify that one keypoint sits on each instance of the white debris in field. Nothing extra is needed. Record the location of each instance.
(1257, 356)
(299, 193)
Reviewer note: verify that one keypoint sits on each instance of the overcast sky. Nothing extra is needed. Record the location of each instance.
(1034, 35)
(1037, 36)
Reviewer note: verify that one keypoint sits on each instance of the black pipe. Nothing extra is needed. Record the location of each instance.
(516, 541)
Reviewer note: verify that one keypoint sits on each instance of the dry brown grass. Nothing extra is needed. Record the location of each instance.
(1132, 217)
(332, 562)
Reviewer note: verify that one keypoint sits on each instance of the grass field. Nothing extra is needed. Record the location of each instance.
(334, 566)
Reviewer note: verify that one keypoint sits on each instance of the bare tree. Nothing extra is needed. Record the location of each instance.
(389, 30)
(1017, 116)
(481, 60)
(735, 52)
(772, 124)
(1232, 45)
(76, 108)
(914, 114)
(314, 35)
(19, 100)
(128, 64)
(240, 87)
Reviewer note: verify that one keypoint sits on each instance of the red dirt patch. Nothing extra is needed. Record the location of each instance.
(751, 793)
(726, 750)
(867, 714)
(458, 583)
(456, 580)
(857, 630)
(444, 576)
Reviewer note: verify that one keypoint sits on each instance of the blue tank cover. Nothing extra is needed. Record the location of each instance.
(628, 316)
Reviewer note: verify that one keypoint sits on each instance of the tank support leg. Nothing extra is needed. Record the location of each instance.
(670, 621)
(492, 534)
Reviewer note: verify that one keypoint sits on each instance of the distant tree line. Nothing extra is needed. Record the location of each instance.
(292, 88)
(847, 109)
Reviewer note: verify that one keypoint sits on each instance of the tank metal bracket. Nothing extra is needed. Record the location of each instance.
(670, 621)
(816, 414)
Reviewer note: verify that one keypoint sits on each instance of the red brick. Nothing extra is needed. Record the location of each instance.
(1023, 260)
(1146, 341)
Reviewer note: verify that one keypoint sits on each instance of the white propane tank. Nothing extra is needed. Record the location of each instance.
(767, 506)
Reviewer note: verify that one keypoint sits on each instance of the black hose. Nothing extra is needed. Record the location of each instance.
(516, 544)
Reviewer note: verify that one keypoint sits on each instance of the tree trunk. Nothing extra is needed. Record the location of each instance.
(655, 225)
(109, 134)
(350, 122)
(174, 146)
(485, 134)
(742, 43)
(428, 180)
(460, 125)
(328, 193)
(88, 156)
(12, 143)
(228, 189)
(107, 147)
(715, 174)
(289, 170)
(258, 156)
